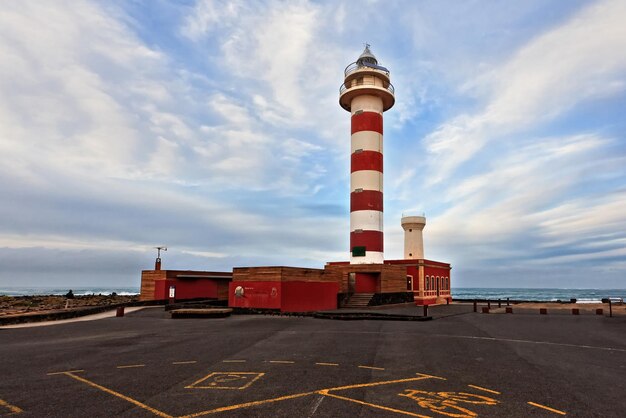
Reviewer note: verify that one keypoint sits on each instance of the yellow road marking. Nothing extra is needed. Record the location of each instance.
(385, 408)
(233, 361)
(282, 361)
(184, 362)
(67, 371)
(221, 379)
(385, 382)
(14, 409)
(370, 367)
(324, 392)
(247, 404)
(321, 392)
(119, 395)
(547, 408)
(327, 364)
(430, 376)
(130, 366)
(484, 389)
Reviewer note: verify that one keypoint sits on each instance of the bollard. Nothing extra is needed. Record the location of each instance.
(575, 311)
(610, 310)
(425, 310)
(599, 311)
(119, 312)
(475, 308)
(499, 303)
(489, 304)
(509, 310)
(507, 301)
(485, 309)
(543, 311)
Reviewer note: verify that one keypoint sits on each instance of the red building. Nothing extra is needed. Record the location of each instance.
(184, 284)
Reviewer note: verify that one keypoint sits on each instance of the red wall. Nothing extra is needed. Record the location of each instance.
(366, 283)
(287, 296)
(309, 296)
(186, 289)
(434, 271)
(255, 295)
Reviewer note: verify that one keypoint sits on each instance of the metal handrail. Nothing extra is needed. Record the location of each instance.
(354, 66)
(389, 86)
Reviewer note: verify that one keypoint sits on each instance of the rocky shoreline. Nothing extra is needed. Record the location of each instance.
(39, 304)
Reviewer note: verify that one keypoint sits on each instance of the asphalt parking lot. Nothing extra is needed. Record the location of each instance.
(464, 365)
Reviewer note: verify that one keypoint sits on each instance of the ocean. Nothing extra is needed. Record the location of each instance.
(544, 295)
(581, 295)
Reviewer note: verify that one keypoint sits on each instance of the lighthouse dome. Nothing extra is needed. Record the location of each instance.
(367, 57)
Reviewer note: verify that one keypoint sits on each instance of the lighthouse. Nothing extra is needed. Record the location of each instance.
(413, 238)
(366, 93)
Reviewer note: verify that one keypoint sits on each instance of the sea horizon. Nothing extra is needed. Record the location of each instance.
(588, 295)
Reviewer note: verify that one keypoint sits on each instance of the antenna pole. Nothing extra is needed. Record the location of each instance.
(157, 263)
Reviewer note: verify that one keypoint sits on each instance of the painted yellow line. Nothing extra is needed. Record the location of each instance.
(237, 376)
(299, 395)
(282, 361)
(184, 362)
(67, 371)
(327, 364)
(247, 405)
(233, 361)
(430, 376)
(384, 408)
(484, 389)
(119, 395)
(385, 382)
(547, 408)
(130, 366)
(14, 409)
(370, 367)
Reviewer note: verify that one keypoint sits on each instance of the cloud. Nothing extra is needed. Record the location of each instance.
(214, 128)
(550, 75)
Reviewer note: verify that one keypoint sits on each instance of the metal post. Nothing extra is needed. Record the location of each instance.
(475, 308)
(499, 303)
(488, 304)
(507, 301)
(610, 310)
(425, 310)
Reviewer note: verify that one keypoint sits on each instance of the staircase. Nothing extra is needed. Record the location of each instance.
(358, 300)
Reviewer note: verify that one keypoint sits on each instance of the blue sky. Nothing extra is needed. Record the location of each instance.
(213, 127)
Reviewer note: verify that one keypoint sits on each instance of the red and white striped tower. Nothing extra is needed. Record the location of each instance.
(366, 93)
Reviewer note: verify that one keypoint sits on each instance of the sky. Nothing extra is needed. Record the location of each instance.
(213, 127)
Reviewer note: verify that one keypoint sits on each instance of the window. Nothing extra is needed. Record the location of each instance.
(359, 81)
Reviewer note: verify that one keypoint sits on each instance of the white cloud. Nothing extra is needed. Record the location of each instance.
(575, 62)
(524, 202)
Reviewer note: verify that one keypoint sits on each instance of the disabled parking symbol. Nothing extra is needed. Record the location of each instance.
(226, 380)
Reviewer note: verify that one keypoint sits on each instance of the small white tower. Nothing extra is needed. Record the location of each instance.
(366, 93)
(413, 238)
